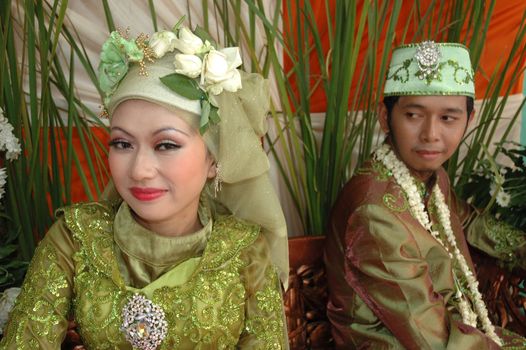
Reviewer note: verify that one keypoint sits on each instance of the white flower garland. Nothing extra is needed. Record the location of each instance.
(406, 181)
(8, 141)
(9, 144)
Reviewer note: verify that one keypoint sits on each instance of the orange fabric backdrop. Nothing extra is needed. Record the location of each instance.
(77, 189)
(502, 31)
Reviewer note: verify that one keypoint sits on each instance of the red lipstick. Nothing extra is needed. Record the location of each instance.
(146, 193)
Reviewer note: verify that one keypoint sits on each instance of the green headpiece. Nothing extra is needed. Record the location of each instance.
(430, 68)
(185, 72)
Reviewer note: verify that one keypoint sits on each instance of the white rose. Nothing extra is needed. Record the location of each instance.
(7, 301)
(187, 42)
(220, 71)
(162, 42)
(189, 65)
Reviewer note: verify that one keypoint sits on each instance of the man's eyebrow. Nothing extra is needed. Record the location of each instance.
(445, 110)
(414, 105)
(454, 110)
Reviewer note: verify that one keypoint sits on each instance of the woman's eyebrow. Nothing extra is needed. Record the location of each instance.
(118, 128)
(170, 129)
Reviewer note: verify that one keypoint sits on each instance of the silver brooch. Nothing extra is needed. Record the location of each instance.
(427, 57)
(144, 324)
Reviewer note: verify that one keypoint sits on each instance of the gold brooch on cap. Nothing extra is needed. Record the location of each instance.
(427, 57)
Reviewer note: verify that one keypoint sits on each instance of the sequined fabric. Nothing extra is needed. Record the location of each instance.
(41, 305)
(231, 299)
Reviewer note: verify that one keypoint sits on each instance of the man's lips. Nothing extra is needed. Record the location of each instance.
(428, 154)
(146, 193)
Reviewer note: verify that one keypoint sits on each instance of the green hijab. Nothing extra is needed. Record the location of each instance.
(234, 141)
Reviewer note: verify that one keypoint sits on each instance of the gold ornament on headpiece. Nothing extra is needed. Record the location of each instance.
(149, 55)
(427, 56)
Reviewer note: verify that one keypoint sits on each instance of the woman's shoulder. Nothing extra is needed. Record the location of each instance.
(236, 231)
(230, 237)
(88, 218)
(102, 208)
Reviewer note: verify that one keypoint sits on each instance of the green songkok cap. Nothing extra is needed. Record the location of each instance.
(186, 74)
(430, 68)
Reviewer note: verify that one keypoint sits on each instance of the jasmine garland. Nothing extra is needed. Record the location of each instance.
(416, 204)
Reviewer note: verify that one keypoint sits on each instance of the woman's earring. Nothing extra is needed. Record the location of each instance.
(217, 180)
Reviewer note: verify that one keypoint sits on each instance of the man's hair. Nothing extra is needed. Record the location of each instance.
(390, 101)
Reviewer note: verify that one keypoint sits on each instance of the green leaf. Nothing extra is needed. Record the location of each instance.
(7, 250)
(203, 35)
(175, 28)
(205, 114)
(214, 115)
(184, 86)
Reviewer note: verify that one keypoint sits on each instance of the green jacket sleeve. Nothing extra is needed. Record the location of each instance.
(39, 318)
(496, 238)
(264, 313)
(385, 266)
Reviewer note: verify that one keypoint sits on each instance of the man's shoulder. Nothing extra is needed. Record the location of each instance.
(367, 186)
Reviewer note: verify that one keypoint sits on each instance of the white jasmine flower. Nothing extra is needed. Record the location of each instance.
(7, 301)
(503, 199)
(8, 141)
(3, 180)
(492, 188)
(189, 43)
(163, 42)
(189, 65)
(220, 70)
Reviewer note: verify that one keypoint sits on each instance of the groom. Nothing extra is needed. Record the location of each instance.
(399, 270)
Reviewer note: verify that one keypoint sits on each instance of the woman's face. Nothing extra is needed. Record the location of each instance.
(159, 166)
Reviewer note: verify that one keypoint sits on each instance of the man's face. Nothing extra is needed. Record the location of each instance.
(426, 130)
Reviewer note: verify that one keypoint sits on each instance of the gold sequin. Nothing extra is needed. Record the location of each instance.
(42, 305)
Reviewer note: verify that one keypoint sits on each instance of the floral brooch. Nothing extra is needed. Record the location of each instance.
(143, 323)
(201, 71)
(427, 57)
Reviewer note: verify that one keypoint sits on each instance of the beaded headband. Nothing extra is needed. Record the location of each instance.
(430, 68)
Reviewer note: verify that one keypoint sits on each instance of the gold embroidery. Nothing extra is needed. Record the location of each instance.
(39, 310)
(506, 238)
(208, 311)
(513, 341)
(267, 325)
(382, 173)
(393, 202)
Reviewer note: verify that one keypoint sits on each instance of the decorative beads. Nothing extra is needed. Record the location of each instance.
(427, 57)
(143, 323)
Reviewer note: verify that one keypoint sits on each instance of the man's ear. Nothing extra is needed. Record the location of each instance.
(382, 117)
(471, 116)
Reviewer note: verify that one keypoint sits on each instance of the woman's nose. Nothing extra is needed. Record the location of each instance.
(143, 165)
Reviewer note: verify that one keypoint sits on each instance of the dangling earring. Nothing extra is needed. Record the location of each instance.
(217, 180)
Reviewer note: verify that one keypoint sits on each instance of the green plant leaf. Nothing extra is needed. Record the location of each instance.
(203, 35)
(7, 250)
(214, 115)
(205, 114)
(184, 86)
